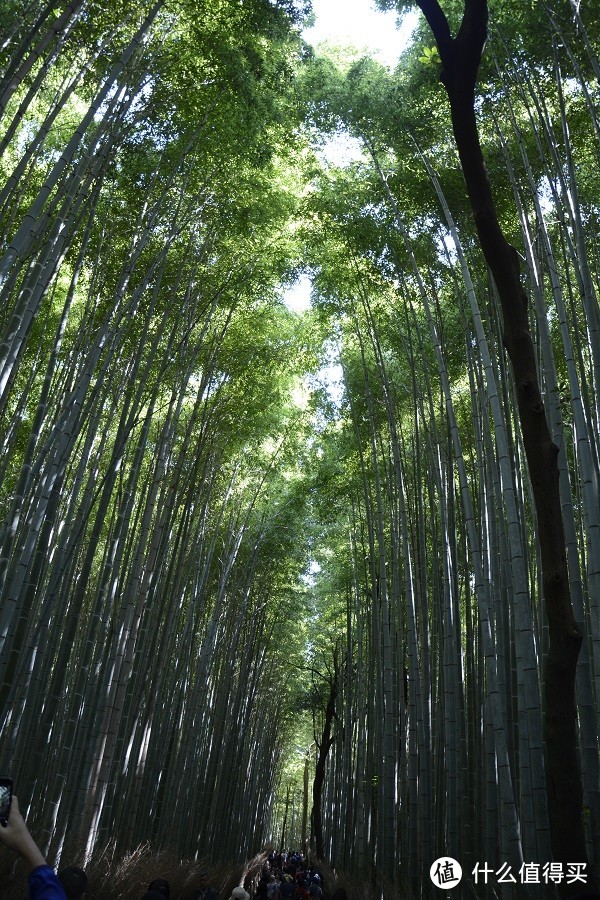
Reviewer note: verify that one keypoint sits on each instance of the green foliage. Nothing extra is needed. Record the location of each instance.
(430, 56)
(167, 303)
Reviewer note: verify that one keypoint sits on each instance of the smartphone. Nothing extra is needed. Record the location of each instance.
(6, 791)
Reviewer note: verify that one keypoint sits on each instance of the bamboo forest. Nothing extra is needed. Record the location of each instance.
(313, 581)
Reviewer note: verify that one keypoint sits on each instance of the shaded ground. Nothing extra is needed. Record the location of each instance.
(112, 876)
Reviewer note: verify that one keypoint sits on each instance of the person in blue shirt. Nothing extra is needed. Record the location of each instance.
(42, 880)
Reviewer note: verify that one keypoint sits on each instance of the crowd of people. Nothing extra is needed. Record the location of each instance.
(289, 876)
(285, 875)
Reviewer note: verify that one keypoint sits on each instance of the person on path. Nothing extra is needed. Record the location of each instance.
(273, 888)
(287, 888)
(74, 881)
(301, 890)
(262, 887)
(205, 891)
(162, 885)
(315, 889)
(239, 893)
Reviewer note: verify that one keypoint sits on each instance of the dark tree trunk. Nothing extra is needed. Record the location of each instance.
(323, 748)
(460, 63)
(285, 816)
(305, 803)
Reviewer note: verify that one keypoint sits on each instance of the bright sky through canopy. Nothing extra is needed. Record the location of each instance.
(359, 24)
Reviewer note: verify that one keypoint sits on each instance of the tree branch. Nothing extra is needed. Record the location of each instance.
(460, 56)
(471, 37)
(438, 23)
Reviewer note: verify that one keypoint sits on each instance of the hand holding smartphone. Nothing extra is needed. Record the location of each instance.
(6, 791)
(14, 833)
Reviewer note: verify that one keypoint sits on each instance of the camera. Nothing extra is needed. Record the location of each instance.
(6, 787)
